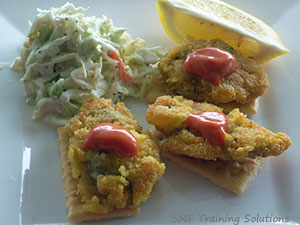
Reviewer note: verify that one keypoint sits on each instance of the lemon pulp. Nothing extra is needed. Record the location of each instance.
(211, 19)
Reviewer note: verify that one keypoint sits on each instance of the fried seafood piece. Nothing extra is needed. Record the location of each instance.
(104, 185)
(242, 86)
(243, 138)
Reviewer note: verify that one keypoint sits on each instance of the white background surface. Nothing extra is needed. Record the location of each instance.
(30, 179)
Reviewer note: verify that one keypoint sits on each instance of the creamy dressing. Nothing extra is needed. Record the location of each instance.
(65, 60)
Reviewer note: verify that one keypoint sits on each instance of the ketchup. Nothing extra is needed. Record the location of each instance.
(210, 63)
(211, 125)
(106, 137)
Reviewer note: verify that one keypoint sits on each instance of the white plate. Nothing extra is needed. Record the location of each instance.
(30, 179)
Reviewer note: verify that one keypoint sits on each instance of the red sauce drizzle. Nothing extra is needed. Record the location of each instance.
(210, 63)
(211, 125)
(106, 137)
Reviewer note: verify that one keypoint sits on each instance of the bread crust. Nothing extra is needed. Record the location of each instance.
(76, 212)
(250, 108)
(231, 175)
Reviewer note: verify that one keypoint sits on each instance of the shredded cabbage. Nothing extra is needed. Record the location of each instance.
(66, 61)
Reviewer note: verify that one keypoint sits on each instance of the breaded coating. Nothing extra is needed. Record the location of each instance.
(169, 114)
(244, 85)
(247, 139)
(244, 138)
(108, 180)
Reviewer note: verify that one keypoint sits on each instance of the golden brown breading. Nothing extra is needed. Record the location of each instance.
(248, 139)
(96, 111)
(76, 211)
(169, 114)
(245, 84)
(244, 138)
(108, 181)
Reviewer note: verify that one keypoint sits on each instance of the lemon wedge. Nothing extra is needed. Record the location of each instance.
(211, 19)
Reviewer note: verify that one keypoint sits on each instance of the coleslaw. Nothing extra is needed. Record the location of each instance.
(69, 58)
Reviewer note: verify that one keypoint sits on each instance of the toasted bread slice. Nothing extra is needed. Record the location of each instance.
(233, 176)
(76, 212)
(158, 88)
(248, 109)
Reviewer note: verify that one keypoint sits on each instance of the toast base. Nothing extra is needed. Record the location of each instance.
(232, 176)
(76, 213)
(250, 108)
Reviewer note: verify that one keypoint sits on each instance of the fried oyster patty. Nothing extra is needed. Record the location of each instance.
(243, 139)
(107, 181)
(242, 86)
